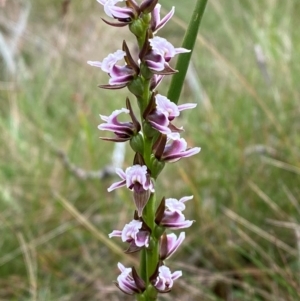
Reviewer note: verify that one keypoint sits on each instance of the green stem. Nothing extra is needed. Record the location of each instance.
(189, 43)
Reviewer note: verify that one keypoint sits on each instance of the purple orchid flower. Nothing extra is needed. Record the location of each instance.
(156, 22)
(177, 205)
(133, 234)
(165, 49)
(165, 112)
(120, 75)
(123, 130)
(114, 11)
(175, 220)
(169, 244)
(109, 62)
(161, 53)
(169, 108)
(172, 217)
(165, 279)
(128, 281)
(177, 149)
(136, 178)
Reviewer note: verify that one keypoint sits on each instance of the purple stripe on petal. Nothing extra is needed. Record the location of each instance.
(160, 128)
(156, 66)
(121, 80)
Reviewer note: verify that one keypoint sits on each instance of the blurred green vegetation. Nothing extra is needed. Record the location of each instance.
(245, 244)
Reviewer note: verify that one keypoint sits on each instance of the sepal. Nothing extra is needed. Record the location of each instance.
(160, 211)
(147, 6)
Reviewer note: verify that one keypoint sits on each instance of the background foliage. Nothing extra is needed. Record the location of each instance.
(245, 244)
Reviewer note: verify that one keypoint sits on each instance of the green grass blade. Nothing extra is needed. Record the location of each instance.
(184, 59)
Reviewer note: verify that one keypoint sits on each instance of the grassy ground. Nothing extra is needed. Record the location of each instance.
(245, 244)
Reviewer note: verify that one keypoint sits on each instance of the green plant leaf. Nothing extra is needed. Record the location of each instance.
(184, 59)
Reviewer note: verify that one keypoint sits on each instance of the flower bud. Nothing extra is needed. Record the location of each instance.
(137, 27)
(136, 87)
(156, 166)
(137, 143)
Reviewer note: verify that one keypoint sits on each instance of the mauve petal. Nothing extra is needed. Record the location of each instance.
(176, 275)
(186, 198)
(166, 107)
(115, 233)
(187, 106)
(123, 269)
(121, 173)
(173, 243)
(121, 80)
(121, 12)
(174, 205)
(165, 19)
(126, 285)
(155, 81)
(175, 220)
(175, 147)
(156, 66)
(104, 118)
(155, 16)
(142, 239)
(162, 129)
(181, 225)
(109, 62)
(181, 50)
(117, 71)
(116, 185)
(95, 63)
(174, 135)
(126, 129)
(188, 153)
(103, 2)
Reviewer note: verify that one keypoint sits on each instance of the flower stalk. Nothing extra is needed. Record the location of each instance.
(155, 141)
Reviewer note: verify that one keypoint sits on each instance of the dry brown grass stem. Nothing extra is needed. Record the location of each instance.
(267, 200)
(292, 198)
(272, 239)
(96, 232)
(281, 165)
(30, 266)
